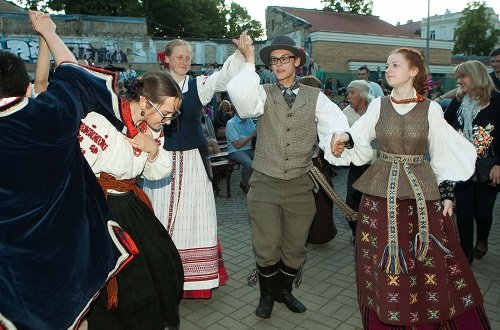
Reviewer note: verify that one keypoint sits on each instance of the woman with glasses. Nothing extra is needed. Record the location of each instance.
(185, 202)
(146, 294)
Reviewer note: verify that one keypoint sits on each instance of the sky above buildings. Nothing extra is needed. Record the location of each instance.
(392, 11)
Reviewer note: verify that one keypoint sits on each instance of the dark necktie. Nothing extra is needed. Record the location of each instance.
(288, 93)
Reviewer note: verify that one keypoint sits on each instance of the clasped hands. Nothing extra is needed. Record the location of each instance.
(337, 144)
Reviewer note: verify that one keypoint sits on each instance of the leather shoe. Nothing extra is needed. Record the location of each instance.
(293, 304)
(265, 307)
(244, 187)
(480, 249)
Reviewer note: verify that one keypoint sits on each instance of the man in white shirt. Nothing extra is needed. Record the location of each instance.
(280, 200)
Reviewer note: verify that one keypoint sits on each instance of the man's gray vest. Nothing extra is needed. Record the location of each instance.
(286, 137)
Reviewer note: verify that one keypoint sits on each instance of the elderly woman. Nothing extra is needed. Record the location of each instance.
(475, 111)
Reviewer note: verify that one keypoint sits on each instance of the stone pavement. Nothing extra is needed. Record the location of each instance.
(328, 289)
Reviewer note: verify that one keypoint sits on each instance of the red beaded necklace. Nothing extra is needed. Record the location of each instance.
(417, 99)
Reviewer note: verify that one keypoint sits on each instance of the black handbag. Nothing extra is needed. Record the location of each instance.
(483, 168)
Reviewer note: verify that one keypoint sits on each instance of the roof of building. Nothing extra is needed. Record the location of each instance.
(320, 20)
(9, 7)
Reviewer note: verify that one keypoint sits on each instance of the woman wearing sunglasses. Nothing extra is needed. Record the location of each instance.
(146, 294)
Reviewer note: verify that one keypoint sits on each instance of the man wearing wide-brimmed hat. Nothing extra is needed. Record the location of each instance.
(280, 201)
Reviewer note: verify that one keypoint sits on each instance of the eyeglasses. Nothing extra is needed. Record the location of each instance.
(283, 59)
(165, 118)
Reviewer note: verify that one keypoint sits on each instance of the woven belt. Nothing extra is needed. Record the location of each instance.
(393, 259)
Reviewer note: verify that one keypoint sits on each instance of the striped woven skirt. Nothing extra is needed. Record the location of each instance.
(185, 205)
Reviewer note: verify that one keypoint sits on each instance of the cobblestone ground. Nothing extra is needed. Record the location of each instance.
(328, 288)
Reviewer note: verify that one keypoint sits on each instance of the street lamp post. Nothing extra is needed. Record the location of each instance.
(427, 41)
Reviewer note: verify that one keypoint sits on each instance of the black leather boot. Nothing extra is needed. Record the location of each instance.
(284, 294)
(267, 282)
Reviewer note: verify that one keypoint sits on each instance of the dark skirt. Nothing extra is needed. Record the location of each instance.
(150, 287)
(323, 227)
(437, 290)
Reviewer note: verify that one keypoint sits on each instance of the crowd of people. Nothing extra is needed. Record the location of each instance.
(123, 182)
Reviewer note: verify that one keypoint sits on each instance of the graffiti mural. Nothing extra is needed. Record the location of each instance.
(99, 52)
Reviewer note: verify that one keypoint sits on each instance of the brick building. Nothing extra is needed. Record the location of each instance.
(342, 42)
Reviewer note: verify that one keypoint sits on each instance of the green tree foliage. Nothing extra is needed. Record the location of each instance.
(362, 7)
(476, 34)
(31, 4)
(98, 7)
(178, 18)
(240, 20)
(186, 18)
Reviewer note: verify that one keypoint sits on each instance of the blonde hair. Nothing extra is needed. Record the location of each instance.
(169, 48)
(481, 84)
(225, 102)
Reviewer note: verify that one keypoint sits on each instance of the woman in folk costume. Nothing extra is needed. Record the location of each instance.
(146, 294)
(411, 271)
(184, 202)
(58, 243)
(476, 113)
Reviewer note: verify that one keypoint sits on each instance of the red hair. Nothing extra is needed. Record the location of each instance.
(415, 60)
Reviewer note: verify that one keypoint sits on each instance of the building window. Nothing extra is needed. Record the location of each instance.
(433, 35)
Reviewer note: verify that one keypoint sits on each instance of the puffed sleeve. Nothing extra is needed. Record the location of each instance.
(217, 82)
(81, 90)
(362, 133)
(160, 167)
(453, 157)
(246, 93)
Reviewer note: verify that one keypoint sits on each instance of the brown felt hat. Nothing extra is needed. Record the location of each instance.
(283, 42)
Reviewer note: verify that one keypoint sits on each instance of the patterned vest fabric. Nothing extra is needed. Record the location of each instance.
(403, 135)
(286, 136)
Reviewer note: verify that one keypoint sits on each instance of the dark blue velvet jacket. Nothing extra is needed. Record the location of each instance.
(55, 248)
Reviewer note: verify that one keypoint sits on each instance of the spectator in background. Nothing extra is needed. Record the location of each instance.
(495, 65)
(239, 134)
(375, 89)
(359, 97)
(329, 84)
(475, 111)
(312, 67)
(222, 116)
(130, 73)
(209, 132)
(340, 87)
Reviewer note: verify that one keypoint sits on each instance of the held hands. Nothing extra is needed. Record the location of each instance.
(447, 207)
(245, 45)
(338, 142)
(144, 142)
(41, 22)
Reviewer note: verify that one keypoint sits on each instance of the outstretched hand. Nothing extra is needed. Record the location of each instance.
(41, 22)
(338, 142)
(245, 45)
